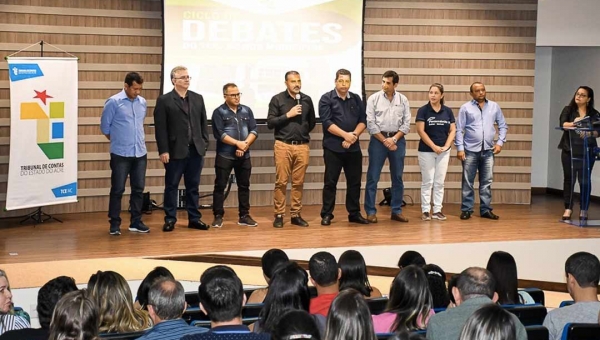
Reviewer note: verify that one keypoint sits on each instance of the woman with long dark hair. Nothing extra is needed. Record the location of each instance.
(75, 317)
(503, 267)
(490, 322)
(288, 290)
(354, 274)
(410, 305)
(436, 277)
(580, 107)
(349, 318)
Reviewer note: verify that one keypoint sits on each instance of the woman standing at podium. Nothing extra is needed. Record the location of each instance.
(580, 107)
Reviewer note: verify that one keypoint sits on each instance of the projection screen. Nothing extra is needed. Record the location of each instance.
(252, 43)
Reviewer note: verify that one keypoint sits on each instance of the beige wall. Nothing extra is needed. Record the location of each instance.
(454, 43)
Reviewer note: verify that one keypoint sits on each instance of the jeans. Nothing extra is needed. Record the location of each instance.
(377, 156)
(190, 168)
(243, 169)
(433, 174)
(578, 175)
(482, 161)
(290, 161)
(351, 163)
(135, 168)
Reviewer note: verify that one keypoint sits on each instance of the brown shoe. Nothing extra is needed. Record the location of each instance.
(399, 218)
(372, 218)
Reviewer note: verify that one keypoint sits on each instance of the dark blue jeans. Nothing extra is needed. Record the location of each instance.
(378, 153)
(135, 168)
(483, 162)
(190, 168)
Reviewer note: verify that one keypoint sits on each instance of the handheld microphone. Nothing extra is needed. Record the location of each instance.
(298, 98)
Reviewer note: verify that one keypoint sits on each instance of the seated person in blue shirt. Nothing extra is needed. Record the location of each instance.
(222, 298)
(166, 304)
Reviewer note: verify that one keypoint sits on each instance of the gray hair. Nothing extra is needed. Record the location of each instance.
(167, 298)
(476, 282)
(177, 69)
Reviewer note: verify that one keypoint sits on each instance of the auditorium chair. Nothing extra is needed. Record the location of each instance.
(193, 300)
(122, 336)
(581, 331)
(377, 305)
(536, 294)
(385, 336)
(566, 303)
(537, 333)
(530, 315)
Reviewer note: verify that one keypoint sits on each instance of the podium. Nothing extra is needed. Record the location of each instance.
(581, 159)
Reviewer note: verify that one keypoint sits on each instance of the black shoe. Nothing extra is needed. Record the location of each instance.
(299, 221)
(198, 225)
(326, 220)
(465, 215)
(115, 230)
(139, 227)
(169, 226)
(357, 219)
(489, 214)
(278, 223)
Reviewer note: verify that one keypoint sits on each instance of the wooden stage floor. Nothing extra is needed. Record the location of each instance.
(85, 236)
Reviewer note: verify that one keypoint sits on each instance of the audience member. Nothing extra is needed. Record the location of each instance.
(47, 298)
(75, 317)
(436, 278)
(222, 297)
(490, 322)
(411, 257)
(166, 304)
(503, 267)
(409, 307)
(270, 261)
(452, 284)
(288, 291)
(349, 318)
(112, 296)
(474, 289)
(8, 321)
(324, 275)
(153, 276)
(296, 324)
(583, 273)
(354, 274)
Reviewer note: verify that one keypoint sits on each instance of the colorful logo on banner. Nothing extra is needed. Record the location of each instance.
(50, 126)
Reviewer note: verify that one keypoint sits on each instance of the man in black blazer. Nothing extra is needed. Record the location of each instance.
(182, 139)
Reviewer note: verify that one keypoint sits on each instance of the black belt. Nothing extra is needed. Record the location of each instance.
(294, 142)
(388, 134)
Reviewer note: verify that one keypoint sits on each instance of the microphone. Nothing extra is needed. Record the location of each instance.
(298, 98)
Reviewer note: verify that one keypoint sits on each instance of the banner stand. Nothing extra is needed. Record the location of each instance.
(38, 215)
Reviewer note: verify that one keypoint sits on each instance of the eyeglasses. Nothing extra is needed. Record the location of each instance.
(233, 95)
(343, 82)
(583, 95)
(184, 78)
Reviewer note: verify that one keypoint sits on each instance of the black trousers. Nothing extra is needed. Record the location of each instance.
(242, 168)
(568, 185)
(351, 163)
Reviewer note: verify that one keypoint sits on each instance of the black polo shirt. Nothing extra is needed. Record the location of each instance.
(296, 128)
(345, 113)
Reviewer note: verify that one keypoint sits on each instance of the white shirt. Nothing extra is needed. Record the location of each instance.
(384, 115)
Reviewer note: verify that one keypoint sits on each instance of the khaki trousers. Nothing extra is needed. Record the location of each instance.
(289, 160)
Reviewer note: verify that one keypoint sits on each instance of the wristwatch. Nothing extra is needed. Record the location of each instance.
(394, 140)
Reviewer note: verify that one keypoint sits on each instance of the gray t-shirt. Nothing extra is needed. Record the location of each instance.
(580, 312)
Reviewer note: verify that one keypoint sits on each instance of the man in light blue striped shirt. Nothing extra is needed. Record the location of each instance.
(475, 133)
(388, 121)
(122, 123)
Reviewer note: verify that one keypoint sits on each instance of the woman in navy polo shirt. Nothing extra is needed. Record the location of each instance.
(436, 127)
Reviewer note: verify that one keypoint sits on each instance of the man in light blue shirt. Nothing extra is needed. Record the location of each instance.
(122, 123)
(388, 121)
(475, 133)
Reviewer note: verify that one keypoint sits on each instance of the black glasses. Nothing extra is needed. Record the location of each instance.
(184, 78)
(233, 95)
